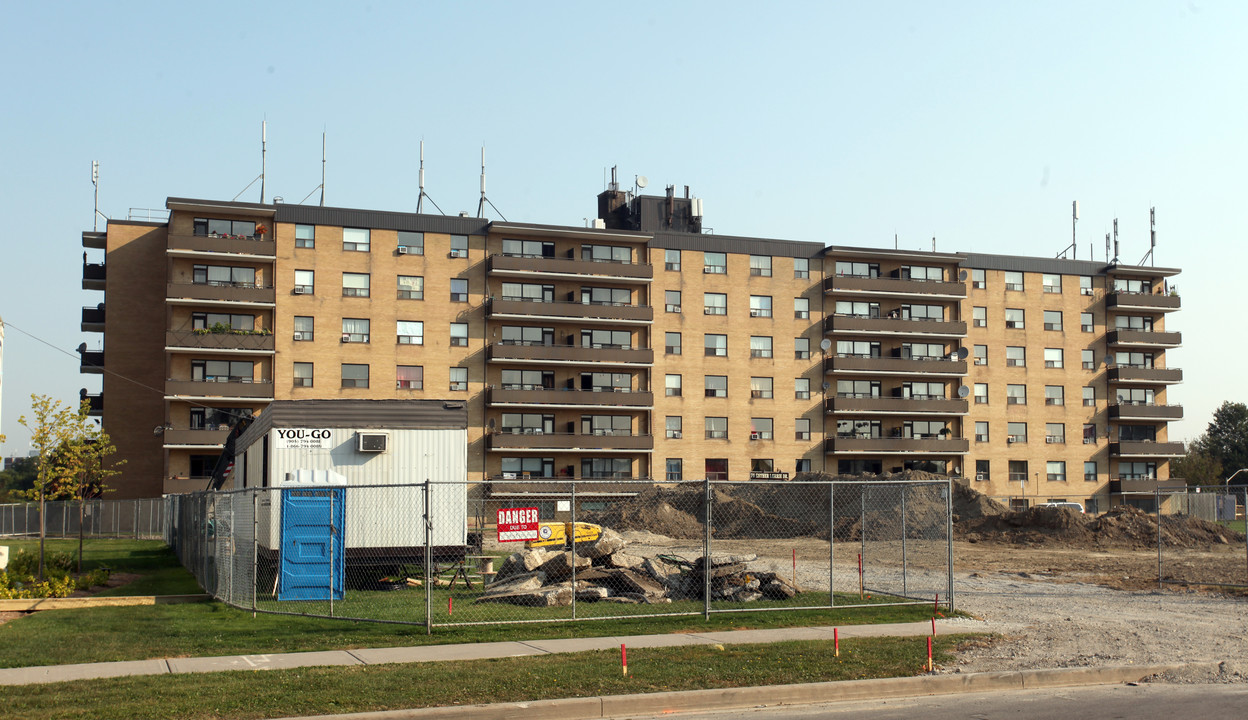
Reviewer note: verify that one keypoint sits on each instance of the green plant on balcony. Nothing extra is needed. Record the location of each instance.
(225, 329)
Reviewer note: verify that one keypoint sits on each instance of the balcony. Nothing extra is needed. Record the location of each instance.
(895, 287)
(898, 446)
(505, 486)
(1143, 338)
(202, 437)
(896, 366)
(177, 389)
(192, 340)
(1141, 302)
(1145, 449)
(93, 318)
(1156, 413)
(1121, 485)
(220, 293)
(568, 268)
(569, 355)
(1125, 375)
(895, 406)
(95, 239)
(570, 398)
(90, 361)
(893, 326)
(96, 403)
(93, 276)
(569, 311)
(253, 247)
(521, 442)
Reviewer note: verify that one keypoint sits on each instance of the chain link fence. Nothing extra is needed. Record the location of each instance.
(1201, 536)
(136, 519)
(443, 554)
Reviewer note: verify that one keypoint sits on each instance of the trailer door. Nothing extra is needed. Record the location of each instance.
(312, 559)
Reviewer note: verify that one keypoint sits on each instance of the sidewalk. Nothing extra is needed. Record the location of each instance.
(439, 653)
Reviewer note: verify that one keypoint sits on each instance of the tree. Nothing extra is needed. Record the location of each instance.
(50, 428)
(1226, 439)
(86, 467)
(1198, 466)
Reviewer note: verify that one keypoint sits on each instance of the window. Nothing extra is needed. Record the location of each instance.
(671, 260)
(1089, 434)
(303, 328)
(459, 290)
(979, 279)
(515, 423)
(671, 385)
(801, 388)
(760, 265)
(1053, 320)
(923, 390)
(925, 429)
(716, 345)
(1014, 281)
(671, 343)
(1089, 471)
(861, 429)
(526, 335)
(1015, 356)
(801, 348)
(1137, 470)
(1014, 318)
(981, 393)
(409, 377)
(411, 287)
(851, 308)
(1055, 471)
(528, 292)
(459, 334)
(304, 282)
(857, 269)
(858, 388)
(857, 348)
(1133, 322)
(459, 379)
(801, 465)
(213, 227)
(982, 472)
(412, 243)
(801, 308)
(923, 351)
(528, 248)
(1055, 433)
(355, 284)
(355, 330)
(606, 382)
(714, 304)
(673, 469)
(922, 312)
(673, 427)
(979, 317)
(760, 346)
(1089, 396)
(922, 273)
(411, 332)
(303, 374)
(714, 263)
(617, 425)
(716, 468)
(1085, 322)
(1052, 283)
(527, 467)
(607, 339)
(1134, 396)
(354, 376)
(801, 428)
(716, 385)
(761, 387)
(762, 429)
(527, 380)
(981, 431)
(671, 298)
(1088, 359)
(1016, 431)
(355, 239)
(220, 322)
(1018, 471)
(760, 306)
(716, 428)
(615, 297)
(981, 354)
(1054, 395)
(224, 276)
(1015, 394)
(801, 268)
(459, 246)
(1053, 357)
(1134, 359)
(607, 253)
(305, 236)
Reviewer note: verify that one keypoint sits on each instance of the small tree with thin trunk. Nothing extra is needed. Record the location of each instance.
(86, 466)
(51, 427)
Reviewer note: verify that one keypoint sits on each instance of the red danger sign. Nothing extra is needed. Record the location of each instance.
(516, 524)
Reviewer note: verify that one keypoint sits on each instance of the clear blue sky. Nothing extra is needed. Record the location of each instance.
(844, 123)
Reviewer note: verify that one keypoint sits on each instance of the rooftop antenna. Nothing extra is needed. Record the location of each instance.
(933, 243)
(1152, 236)
(484, 199)
(1106, 247)
(320, 187)
(895, 241)
(420, 201)
(260, 177)
(1074, 221)
(95, 180)
(1115, 260)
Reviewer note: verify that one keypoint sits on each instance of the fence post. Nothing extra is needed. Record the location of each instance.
(706, 548)
(428, 563)
(1245, 525)
(949, 541)
(831, 543)
(862, 535)
(904, 567)
(1157, 502)
(572, 559)
(255, 564)
(332, 567)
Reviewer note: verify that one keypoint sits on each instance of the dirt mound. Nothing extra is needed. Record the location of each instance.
(1122, 526)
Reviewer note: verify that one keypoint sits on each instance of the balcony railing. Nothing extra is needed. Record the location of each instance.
(93, 318)
(1144, 448)
(569, 311)
(570, 398)
(91, 361)
(1125, 374)
(569, 354)
(223, 389)
(896, 366)
(227, 293)
(1141, 302)
(897, 406)
(569, 441)
(893, 326)
(208, 437)
(234, 245)
(569, 267)
(218, 341)
(894, 287)
(1144, 338)
(93, 276)
(898, 445)
(508, 485)
(1160, 413)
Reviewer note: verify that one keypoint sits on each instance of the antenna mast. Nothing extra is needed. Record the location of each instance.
(95, 180)
(1074, 220)
(264, 138)
(420, 201)
(484, 199)
(322, 168)
(1152, 236)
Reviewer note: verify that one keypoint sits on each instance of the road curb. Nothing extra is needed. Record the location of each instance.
(804, 694)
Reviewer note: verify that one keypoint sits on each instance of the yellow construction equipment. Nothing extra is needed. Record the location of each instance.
(557, 533)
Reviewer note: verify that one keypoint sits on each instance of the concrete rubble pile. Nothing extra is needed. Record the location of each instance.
(605, 573)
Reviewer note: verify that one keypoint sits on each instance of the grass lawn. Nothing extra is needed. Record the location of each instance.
(324, 690)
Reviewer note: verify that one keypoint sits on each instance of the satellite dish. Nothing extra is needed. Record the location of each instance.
(1108, 360)
(963, 391)
(962, 275)
(963, 353)
(491, 424)
(825, 344)
(826, 386)
(642, 181)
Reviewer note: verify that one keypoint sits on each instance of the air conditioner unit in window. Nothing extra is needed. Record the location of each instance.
(980, 477)
(372, 442)
(755, 313)
(676, 435)
(457, 254)
(298, 336)
(754, 436)
(402, 249)
(346, 337)
(301, 291)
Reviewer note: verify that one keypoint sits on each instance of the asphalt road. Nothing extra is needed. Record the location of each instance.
(1140, 702)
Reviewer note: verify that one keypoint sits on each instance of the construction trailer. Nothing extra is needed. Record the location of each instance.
(349, 482)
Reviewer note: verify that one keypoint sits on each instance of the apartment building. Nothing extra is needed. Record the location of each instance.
(639, 348)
